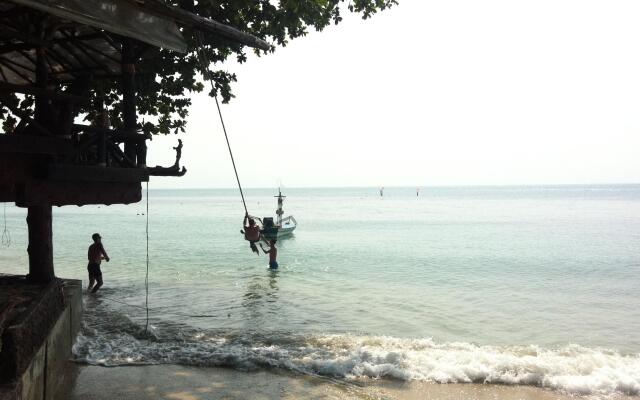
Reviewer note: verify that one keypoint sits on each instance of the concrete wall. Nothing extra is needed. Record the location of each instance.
(46, 375)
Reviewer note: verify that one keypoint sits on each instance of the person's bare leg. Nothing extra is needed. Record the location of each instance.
(98, 285)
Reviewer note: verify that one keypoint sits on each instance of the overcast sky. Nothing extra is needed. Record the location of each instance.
(441, 92)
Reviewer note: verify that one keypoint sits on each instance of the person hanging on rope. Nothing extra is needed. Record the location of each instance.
(96, 254)
(273, 254)
(251, 232)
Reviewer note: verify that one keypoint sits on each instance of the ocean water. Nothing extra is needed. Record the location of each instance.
(514, 285)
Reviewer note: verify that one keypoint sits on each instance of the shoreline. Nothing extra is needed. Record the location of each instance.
(195, 383)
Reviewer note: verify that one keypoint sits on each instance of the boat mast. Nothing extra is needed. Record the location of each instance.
(279, 211)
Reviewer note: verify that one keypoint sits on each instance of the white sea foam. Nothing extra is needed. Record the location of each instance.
(572, 369)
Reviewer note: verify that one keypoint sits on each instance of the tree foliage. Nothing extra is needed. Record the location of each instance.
(166, 79)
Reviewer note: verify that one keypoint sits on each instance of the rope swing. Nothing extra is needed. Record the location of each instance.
(204, 65)
(146, 278)
(6, 236)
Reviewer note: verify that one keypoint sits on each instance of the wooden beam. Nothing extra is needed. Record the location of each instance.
(16, 71)
(15, 168)
(7, 192)
(29, 45)
(28, 144)
(195, 21)
(68, 49)
(26, 55)
(95, 70)
(83, 44)
(9, 33)
(50, 67)
(84, 173)
(36, 193)
(57, 57)
(84, 47)
(167, 171)
(109, 40)
(117, 135)
(7, 61)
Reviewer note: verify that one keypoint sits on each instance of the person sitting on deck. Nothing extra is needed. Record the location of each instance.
(251, 233)
(96, 254)
(273, 253)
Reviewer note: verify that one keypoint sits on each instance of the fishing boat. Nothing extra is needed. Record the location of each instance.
(282, 227)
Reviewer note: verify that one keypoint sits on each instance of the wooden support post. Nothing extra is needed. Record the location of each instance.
(129, 94)
(42, 102)
(141, 153)
(40, 244)
(102, 149)
(102, 122)
(39, 217)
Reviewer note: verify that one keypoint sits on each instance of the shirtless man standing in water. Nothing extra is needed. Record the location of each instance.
(273, 254)
(96, 254)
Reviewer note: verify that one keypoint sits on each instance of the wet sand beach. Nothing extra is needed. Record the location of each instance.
(173, 382)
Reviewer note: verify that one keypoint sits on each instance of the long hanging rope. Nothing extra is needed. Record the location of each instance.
(230, 152)
(146, 278)
(6, 236)
(202, 57)
(146, 283)
(204, 65)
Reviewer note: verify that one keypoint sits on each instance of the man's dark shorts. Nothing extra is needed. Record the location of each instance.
(94, 270)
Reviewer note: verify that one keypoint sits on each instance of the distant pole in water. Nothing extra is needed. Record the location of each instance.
(417, 192)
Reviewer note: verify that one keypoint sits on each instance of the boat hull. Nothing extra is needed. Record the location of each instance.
(284, 232)
(276, 232)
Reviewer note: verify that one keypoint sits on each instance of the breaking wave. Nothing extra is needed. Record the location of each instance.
(572, 369)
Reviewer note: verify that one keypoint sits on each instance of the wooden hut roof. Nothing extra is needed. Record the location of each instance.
(115, 16)
(83, 42)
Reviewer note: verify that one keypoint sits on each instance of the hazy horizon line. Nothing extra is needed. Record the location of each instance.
(405, 186)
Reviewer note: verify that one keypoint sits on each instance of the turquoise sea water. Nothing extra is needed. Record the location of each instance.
(516, 285)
